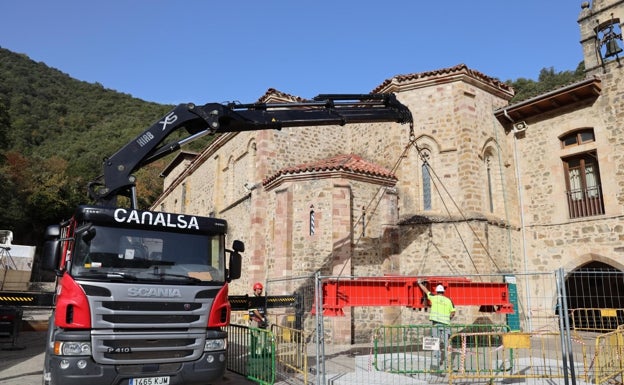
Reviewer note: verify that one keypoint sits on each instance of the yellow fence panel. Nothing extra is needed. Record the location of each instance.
(596, 319)
(291, 356)
(608, 362)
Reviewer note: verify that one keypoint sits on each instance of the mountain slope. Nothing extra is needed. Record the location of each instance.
(54, 133)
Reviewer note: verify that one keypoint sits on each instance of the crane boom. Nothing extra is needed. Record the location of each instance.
(214, 118)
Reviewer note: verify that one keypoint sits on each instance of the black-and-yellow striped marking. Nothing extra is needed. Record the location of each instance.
(16, 298)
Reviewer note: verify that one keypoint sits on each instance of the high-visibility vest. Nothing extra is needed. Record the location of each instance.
(441, 309)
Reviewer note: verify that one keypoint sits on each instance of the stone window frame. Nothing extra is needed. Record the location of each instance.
(427, 150)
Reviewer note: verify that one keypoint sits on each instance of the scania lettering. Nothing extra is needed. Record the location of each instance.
(153, 292)
(142, 295)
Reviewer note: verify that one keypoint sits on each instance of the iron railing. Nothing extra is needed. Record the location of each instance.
(585, 202)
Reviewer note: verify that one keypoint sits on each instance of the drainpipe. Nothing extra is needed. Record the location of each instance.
(522, 232)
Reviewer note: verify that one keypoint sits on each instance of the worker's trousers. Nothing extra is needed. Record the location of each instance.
(443, 333)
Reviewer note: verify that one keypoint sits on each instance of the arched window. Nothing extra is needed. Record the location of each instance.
(312, 221)
(577, 138)
(425, 157)
(490, 182)
(494, 197)
(228, 176)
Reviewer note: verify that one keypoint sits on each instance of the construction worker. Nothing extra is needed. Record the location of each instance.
(257, 312)
(441, 313)
(257, 320)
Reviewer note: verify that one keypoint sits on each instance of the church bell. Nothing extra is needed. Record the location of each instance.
(612, 48)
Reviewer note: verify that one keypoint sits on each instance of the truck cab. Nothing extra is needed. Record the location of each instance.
(142, 297)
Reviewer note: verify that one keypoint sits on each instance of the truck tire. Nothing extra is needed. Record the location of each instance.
(46, 376)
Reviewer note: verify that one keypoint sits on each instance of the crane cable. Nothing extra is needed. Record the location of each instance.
(423, 158)
(376, 199)
(373, 204)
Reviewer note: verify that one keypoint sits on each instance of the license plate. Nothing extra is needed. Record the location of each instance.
(150, 381)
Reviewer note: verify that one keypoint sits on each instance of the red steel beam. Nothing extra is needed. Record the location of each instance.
(404, 291)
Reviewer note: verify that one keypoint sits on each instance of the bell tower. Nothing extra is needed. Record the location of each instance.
(601, 35)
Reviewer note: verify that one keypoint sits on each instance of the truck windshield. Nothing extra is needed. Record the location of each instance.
(119, 253)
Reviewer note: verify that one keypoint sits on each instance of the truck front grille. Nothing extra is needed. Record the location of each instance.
(129, 348)
(149, 318)
(150, 355)
(135, 326)
(150, 314)
(150, 306)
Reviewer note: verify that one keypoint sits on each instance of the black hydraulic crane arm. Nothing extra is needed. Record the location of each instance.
(213, 118)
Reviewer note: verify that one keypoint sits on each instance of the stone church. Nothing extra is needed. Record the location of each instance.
(477, 187)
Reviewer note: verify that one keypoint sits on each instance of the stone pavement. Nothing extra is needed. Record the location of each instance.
(22, 363)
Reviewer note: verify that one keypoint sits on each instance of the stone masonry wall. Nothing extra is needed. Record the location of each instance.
(498, 201)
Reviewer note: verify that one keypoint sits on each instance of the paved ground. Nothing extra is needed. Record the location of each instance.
(21, 363)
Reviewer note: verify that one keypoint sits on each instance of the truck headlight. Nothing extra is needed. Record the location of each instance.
(212, 344)
(72, 348)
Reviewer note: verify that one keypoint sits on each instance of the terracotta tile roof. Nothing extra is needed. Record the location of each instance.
(272, 93)
(444, 71)
(350, 163)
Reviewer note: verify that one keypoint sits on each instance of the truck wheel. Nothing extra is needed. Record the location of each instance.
(46, 378)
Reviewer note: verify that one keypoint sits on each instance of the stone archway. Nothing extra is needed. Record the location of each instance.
(595, 284)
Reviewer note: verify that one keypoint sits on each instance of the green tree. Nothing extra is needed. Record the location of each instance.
(548, 80)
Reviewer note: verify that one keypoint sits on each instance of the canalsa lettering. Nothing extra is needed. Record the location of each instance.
(156, 219)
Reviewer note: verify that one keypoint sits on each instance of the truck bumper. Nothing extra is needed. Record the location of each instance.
(210, 366)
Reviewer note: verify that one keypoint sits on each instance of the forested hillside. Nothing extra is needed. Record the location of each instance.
(54, 133)
(548, 80)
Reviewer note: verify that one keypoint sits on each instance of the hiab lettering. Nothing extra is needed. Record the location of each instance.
(156, 219)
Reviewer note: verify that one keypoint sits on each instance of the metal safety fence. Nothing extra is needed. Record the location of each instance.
(526, 328)
(279, 354)
(607, 362)
(596, 319)
(412, 349)
(291, 355)
(506, 356)
(251, 353)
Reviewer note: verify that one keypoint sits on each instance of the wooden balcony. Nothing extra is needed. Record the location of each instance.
(585, 202)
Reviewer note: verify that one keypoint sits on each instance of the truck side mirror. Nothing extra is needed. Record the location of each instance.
(238, 246)
(51, 248)
(50, 255)
(236, 264)
(236, 260)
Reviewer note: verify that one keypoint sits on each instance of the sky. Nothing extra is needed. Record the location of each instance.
(203, 51)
